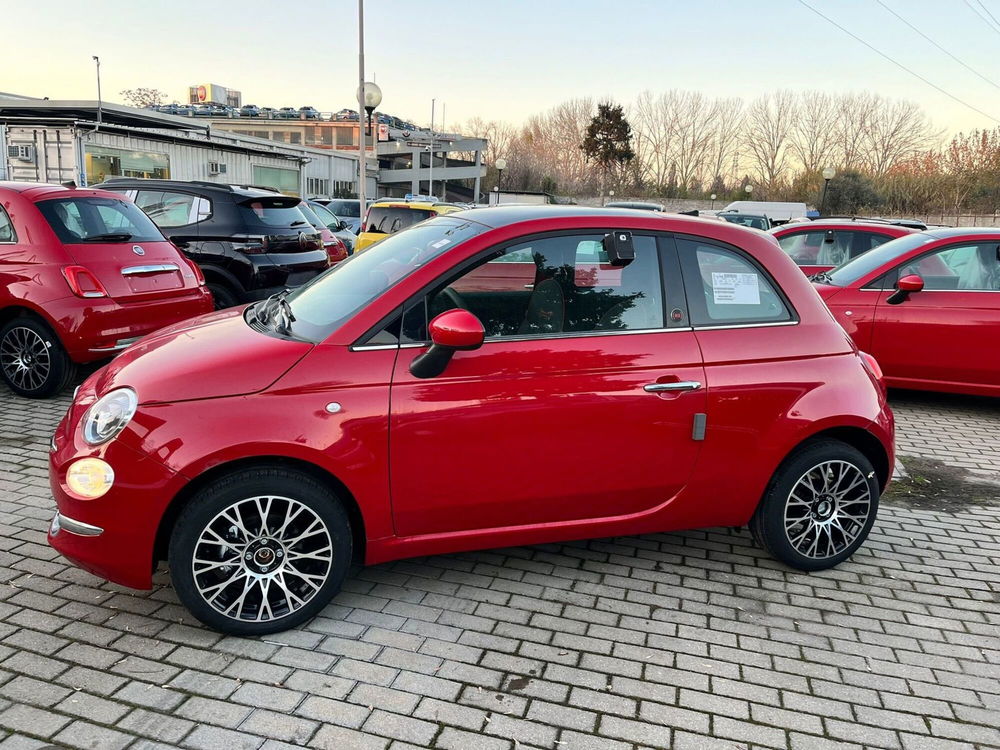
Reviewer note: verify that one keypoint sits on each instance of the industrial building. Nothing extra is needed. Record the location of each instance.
(86, 142)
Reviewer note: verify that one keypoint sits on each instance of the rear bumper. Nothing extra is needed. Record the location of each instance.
(93, 329)
(276, 271)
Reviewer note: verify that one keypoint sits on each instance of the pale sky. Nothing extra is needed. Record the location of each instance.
(501, 59)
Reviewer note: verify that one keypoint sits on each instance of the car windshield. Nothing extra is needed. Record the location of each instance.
(326, 216)
(849, 272)
(345, 208)
(91, 219)
(319, 307)
(311, 216)
(755, 222)
(391, 219)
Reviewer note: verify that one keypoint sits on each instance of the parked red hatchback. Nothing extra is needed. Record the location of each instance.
(85, 273)
(505, 376)
(927, 306)
(822, 245)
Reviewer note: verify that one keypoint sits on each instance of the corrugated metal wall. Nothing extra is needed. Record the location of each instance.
(56, 159)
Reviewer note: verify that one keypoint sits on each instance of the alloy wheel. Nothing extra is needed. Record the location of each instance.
(827, 509)
(25, 358)
(262, 558)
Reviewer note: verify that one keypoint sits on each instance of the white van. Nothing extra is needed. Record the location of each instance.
(776, 211)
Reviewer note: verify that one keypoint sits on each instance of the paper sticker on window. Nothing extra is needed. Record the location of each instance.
(735, 289)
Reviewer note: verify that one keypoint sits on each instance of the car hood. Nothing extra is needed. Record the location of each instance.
(210, 356)
(826, 290)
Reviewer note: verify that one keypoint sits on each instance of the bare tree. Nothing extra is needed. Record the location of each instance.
(143, 97)
(727, 133)
(768, 127)
(813, 136)
(896, 130)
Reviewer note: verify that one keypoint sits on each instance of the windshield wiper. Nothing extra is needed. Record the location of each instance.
(276, 311)
(823, 277)
(109, 237)
(297, 223)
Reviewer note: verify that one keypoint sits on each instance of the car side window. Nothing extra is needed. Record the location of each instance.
(724, 287)
(7, 233)
(170, 209)
(958, 268)
(552, 285)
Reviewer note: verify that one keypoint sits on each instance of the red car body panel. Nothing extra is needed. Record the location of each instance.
(31, 279)
(808, 261)
(451, 462)
(935, 339)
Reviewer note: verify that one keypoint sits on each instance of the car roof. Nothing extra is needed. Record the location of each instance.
(821, 224)
(237, 190)
(950, 232)
(39, 190)
(500, 216)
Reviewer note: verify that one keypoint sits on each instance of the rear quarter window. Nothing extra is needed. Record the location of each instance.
(725, 287)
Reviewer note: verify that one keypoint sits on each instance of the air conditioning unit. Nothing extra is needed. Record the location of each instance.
(21, 153)
(215, 167)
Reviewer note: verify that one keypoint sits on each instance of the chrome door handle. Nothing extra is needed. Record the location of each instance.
(683, 385)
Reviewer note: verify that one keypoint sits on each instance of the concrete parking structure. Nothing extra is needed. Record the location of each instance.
(688, 640)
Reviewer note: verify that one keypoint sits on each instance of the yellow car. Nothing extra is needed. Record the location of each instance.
(389, 215)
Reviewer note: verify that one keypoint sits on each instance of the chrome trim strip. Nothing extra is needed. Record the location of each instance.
(79, 528)
(119, 345)
(153, 268)
(747, 325)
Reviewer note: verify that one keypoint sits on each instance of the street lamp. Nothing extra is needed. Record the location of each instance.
(712, 196)
(828, 174)
(100, 104)
(501, 165)
(369, 97)
(748, 189)
(611, 194)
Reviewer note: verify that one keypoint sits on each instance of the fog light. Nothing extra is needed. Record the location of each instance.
(90, 478)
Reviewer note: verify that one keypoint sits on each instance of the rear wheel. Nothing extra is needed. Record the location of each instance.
(223, 296)
(819, 507)
(33, 361)
(259, 551)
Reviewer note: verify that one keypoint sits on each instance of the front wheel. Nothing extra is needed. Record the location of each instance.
(259, 551)
(33, 361)
(819, 507)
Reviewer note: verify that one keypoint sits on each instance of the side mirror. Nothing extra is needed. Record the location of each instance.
(451, 331)
(905, 287)
(343, 226)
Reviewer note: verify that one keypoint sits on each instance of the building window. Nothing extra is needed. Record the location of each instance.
(347, 136)
(103, 162)
(283, 180)
(316, 187)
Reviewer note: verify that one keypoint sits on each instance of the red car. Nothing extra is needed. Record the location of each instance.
(85, 273)
(334, 246)
(822, 245)
(502, 376)
(927, 306)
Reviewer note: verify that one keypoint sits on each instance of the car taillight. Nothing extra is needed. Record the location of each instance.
(871, 364)
(83, 283)
(198, 275)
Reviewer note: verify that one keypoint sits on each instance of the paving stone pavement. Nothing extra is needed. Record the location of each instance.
(692, 640)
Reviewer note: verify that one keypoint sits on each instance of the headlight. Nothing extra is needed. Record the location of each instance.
(109, 415)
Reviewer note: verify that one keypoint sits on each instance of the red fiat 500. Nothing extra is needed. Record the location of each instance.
(505, 376)
(821, 245)
(927, 306)
(84, 274)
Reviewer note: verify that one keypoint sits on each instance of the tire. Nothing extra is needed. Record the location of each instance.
(219, 532)
(33, 362)
(819, 507)
(222, 296)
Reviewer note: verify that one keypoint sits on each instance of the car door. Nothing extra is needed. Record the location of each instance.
(941, 334)
(581, 403)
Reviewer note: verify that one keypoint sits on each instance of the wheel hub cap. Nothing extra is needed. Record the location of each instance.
(24, 356)
(262, 558)
(827, 509)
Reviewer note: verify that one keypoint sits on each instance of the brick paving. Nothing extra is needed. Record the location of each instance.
(692, 640)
